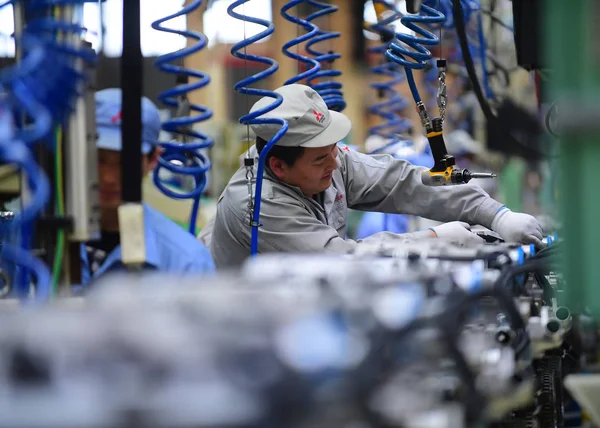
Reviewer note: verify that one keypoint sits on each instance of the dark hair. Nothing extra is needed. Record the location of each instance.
(289, 155)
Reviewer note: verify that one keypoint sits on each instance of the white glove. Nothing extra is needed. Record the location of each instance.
(458, 232)
(518, 227)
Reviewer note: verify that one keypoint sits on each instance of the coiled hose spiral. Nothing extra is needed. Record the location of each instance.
(419, 55)
(312, 31)
(329, 90)
(253, 118)
(43, 88)
(184, 157)
(392, 102)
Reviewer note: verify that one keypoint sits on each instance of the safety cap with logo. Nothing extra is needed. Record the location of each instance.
(310, 122)
(108, 120)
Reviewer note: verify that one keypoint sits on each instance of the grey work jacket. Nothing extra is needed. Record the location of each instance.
(292, 222)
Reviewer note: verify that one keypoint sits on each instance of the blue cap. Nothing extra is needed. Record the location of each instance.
(108, 120)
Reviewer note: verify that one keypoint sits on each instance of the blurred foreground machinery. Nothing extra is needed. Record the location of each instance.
(550, 343)
(413, 335)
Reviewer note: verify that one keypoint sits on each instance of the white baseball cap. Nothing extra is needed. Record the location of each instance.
(311, 123)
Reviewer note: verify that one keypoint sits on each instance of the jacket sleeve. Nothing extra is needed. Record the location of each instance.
(382, 183)
(287, 226)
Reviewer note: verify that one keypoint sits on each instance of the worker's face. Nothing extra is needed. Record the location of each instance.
(312, 172)
(109, 181)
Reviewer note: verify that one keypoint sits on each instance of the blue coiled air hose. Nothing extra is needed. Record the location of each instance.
(312, 31)
(193, 162)
(25, 87)
(417, 59)
(393, 103)
(17, 153)
(329, 90)
(253, 118)
(419, 54)
(42, 87)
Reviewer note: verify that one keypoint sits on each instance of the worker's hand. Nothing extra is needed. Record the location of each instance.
(518, 227)
(458, 232)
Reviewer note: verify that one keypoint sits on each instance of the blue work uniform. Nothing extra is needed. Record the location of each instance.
(169, 248)
(375, 222)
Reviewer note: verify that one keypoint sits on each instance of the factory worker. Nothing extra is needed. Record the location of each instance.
(373, 222)
(169, 247)
(310, 183)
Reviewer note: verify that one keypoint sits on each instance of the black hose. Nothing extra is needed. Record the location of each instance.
(457, 13)
(548, 251)
(535, 265)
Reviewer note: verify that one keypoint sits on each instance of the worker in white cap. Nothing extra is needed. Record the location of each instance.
(309, 184)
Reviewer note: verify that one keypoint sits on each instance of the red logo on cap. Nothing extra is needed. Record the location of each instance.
(117, 117)
(319, 116)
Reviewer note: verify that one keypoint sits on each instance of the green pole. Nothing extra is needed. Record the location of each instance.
(572, 38)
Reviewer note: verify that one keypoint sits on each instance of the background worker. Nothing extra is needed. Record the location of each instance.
(309, 185)
(169, 247)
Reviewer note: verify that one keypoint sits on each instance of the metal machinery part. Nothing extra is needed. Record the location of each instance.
(409, 335)
(81, 155)
(560, 341)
